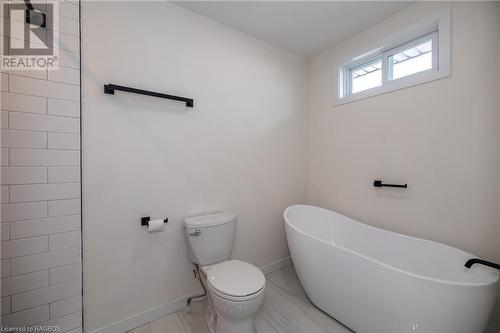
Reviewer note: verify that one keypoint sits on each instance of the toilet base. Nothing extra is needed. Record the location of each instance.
(210, 317)
(216, 324)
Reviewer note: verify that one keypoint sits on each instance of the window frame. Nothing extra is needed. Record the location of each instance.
(436, 26)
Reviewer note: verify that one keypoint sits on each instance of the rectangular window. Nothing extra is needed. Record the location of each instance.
(416, 54)
(410, 58)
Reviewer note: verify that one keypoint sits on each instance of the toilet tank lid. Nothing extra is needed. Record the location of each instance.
(209, 220)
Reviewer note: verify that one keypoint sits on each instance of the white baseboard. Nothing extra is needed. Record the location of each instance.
(172, 306)
(145, 316)
(276, 265)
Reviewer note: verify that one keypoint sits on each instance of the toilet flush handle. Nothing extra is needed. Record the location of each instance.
(196, 233)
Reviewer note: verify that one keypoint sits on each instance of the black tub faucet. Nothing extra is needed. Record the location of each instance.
(471, 262)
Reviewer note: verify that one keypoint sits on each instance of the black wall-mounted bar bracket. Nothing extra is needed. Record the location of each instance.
(33, 16)
(378, 183)
(110, 89)
(145, 220)
(473, 261)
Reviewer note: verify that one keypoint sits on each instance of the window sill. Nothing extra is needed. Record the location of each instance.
(402, 83)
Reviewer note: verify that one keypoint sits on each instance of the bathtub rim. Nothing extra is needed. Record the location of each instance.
(419, 276)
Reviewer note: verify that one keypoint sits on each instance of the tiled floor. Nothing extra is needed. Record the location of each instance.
(285, 309)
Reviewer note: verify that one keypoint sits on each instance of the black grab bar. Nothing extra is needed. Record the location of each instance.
(379, 183)
(471, 262)
(110, 89)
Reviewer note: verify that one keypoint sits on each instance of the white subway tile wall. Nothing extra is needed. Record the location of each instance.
(33, 74)
(40, 188)
(4, 157)
(22, 175)
(23, 139)
(4, 117)
(5, 306)
(43, 157)
(5, 231)
(25, 282)
(41, 261)
(65, 306)
(23, 103)
(26, 317)
(63, 141)
(64, 174)
(23, 211)
(5, 268)
(65, 273)
(46, 226)
(60, 107)
(64, 207)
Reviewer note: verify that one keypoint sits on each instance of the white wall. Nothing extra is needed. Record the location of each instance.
(495, 320)
(242, 148)
(440, 137)
(40, 212)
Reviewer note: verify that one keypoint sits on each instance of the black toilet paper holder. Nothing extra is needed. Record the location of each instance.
(145, 220)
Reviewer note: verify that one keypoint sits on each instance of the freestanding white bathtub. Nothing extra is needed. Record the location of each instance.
(377, 281)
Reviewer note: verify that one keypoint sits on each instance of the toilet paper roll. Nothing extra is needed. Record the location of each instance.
(156, 225)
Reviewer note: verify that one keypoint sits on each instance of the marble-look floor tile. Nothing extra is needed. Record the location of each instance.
(286, 309)
(279, 307)
(326, 323)
(263, 324)
(282, 312)
(195, 320)
(146, 328)
(286, 280)
(170, 323)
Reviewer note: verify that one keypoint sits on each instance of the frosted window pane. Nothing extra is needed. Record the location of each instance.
(412, 60)
(366, 77)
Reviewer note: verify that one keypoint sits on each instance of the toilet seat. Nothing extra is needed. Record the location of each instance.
(235, 298)
(235, 280)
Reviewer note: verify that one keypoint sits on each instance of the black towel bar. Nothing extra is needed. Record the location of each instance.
(110, 89)
(378, 183)
(34, 16)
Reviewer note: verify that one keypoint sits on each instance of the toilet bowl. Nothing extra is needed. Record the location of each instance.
(235, 288)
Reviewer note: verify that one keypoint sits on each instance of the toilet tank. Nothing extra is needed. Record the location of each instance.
(210, 237)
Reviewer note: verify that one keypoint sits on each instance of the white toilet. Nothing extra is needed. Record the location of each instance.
(235, 288)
